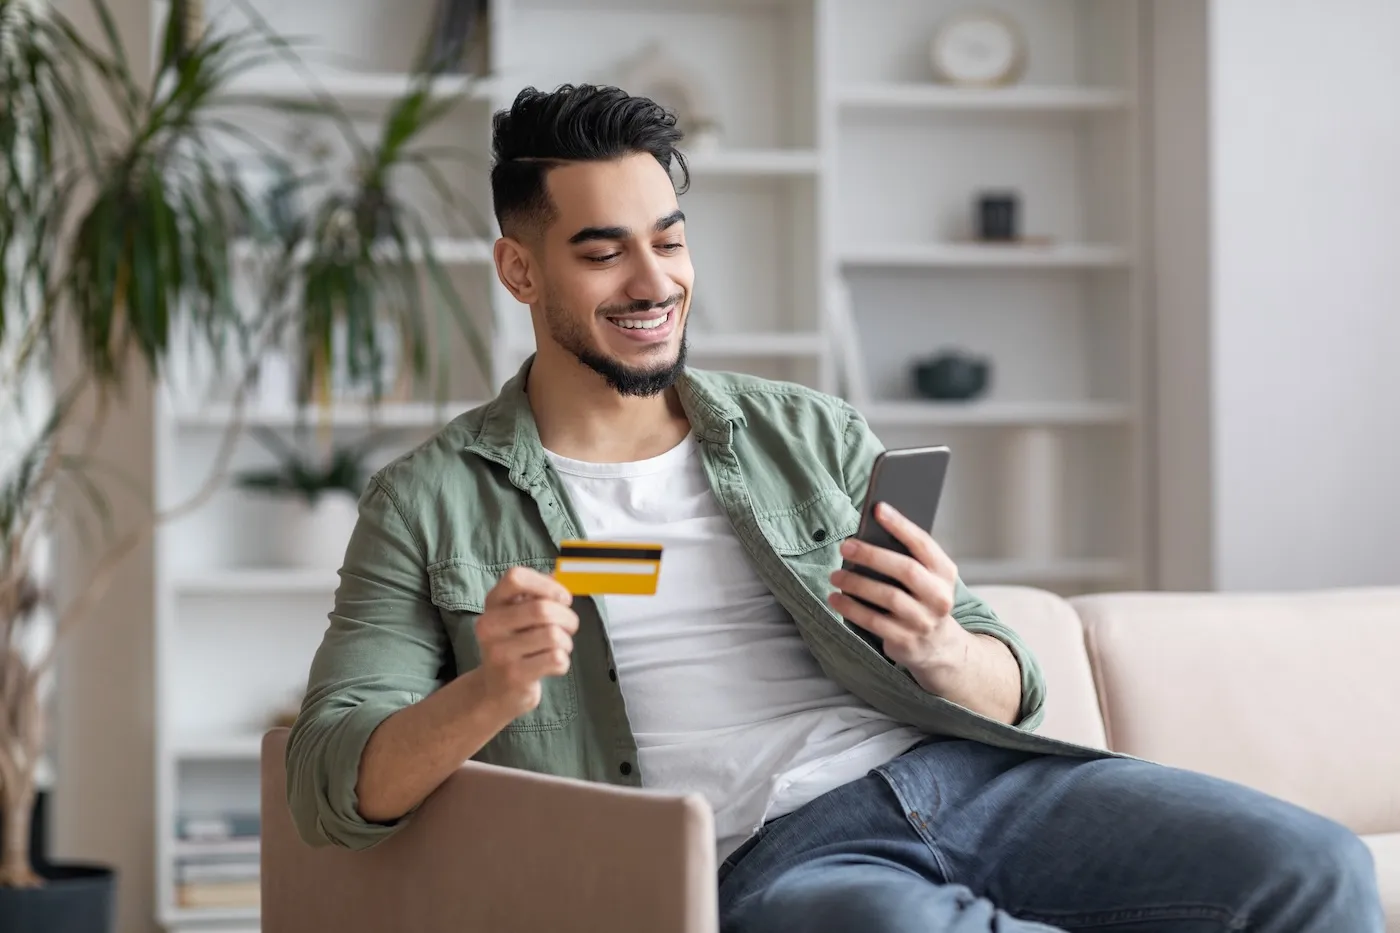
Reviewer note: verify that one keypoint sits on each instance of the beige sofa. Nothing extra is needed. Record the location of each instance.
(1295, 694)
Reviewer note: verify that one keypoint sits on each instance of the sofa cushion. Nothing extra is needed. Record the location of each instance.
(1294, 694)
(1050, 627)
(1386, 849)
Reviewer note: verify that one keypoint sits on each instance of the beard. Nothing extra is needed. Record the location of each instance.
(642, 382)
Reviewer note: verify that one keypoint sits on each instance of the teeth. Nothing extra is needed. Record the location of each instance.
(639, 323)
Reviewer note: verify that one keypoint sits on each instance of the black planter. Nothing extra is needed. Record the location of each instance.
(75, 898)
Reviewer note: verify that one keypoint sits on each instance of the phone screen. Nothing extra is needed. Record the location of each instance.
(910, 480)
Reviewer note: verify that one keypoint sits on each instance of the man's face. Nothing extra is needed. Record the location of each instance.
(616, 272)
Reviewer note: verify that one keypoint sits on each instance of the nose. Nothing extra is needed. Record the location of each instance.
(649, 281)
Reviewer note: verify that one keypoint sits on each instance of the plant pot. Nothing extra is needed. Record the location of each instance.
(75, 898)
(311, 536)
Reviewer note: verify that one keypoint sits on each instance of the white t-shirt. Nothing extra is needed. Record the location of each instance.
(723, 696)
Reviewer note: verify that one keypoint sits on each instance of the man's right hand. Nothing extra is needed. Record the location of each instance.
(525, 633)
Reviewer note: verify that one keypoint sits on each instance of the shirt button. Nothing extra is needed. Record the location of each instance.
(819, 535)
(625, 767)
(612, 675)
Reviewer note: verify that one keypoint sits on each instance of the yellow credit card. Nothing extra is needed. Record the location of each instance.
(593, 568)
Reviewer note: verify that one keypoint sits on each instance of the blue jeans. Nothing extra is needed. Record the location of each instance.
(959, 837)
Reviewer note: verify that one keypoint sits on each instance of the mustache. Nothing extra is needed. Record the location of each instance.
(642, 305)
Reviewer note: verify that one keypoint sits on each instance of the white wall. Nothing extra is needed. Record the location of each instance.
(1306, 291)
(1303, 273)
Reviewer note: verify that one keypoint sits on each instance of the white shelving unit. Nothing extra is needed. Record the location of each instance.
(842, 170)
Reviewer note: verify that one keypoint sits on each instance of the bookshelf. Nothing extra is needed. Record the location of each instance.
(829, 229)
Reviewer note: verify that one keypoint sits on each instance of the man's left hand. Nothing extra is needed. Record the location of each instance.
(917, 627)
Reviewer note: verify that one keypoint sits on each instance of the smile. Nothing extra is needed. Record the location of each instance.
(648, 327)
(641, 323)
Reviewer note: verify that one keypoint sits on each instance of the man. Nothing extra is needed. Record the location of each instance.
(851, 790)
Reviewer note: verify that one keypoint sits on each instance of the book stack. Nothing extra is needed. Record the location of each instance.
(217, 861)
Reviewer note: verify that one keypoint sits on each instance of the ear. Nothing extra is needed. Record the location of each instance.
(517, 270)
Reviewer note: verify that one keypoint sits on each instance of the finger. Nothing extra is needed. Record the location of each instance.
(534, 641)
(546, 664)
(519, 583)
(916, 578)
(919, 542)
(519, 617)
(876, 623)
(892, 599)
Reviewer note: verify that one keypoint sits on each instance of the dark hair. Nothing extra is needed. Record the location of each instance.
(572, 123)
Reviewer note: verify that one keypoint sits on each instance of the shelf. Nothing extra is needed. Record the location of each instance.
(995, 572)
(992, 414)
(449, 251)
(188, 848)
(385, 415)
(362, 86)
(1023, 99)
(219, 748)
(187, 916)
(258, 582)
(986, 256)
(754, 162)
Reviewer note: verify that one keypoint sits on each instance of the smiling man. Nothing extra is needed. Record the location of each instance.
(853, 789)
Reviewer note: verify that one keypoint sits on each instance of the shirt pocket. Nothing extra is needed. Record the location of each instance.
(808, 536)
(458, 589)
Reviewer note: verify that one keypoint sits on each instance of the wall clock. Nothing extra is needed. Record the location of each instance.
(978, 48)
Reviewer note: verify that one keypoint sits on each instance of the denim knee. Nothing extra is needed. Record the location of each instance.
(1332, 875)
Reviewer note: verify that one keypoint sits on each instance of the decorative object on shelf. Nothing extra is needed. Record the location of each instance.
(850, 361)
(315, 501)
(978, 48)
(459, 41)
(1033, 495)
(655, 72)
(998, 216)
(953, 375)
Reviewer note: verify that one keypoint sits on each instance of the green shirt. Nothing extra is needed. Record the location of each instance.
(440, 524)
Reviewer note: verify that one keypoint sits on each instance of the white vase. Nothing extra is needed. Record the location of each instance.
(1032, 509)
(313, 537)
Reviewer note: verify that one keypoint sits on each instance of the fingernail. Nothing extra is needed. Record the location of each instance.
(848, 548)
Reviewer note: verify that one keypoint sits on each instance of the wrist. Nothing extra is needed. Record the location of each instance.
(946, 660)
(480, 702)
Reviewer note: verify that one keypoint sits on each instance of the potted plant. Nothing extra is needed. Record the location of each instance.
(314, 501)
(118, 219)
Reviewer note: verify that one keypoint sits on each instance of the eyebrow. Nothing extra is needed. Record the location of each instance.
(622, 233)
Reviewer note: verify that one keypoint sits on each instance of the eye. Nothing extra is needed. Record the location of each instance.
(602, 259)
(671, 247)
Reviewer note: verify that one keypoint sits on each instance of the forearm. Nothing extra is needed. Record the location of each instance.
(980, 674)
(413, 751)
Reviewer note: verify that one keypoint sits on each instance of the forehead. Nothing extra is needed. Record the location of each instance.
(633, 191)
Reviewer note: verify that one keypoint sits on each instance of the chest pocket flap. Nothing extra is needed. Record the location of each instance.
(821, 521)
(457, 585)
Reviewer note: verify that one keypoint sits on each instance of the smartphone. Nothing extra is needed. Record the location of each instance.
(911, 480)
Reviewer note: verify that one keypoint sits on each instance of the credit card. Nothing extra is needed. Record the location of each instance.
(594, 568)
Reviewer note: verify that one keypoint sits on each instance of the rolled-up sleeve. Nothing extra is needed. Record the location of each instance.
(860, 448)
(977, 617)
(382, 651)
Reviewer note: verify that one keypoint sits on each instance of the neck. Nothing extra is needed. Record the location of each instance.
(581, 417)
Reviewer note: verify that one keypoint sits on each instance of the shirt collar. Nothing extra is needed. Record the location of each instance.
(510, 436)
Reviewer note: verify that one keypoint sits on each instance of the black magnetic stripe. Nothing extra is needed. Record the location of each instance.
(609, 553)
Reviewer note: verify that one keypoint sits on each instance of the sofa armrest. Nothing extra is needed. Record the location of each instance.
(498, 849)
